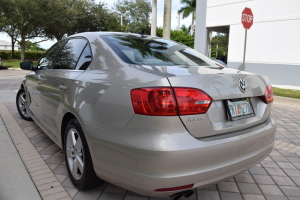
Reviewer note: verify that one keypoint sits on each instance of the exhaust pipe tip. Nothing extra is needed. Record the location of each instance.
(185, 194)
(188, 193)
(177, 197)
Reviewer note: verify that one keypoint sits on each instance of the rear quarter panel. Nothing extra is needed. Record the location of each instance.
(100, 97)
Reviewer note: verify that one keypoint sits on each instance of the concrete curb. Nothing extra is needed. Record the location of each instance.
(14, 68)
(278, 100)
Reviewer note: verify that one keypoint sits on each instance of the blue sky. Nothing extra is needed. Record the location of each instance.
(110, 4)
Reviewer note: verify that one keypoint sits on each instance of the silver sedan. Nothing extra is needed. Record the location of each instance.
(147, 114)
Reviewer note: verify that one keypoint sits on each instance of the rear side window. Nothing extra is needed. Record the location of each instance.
(144, 50)
(85, 58)
(68, 57)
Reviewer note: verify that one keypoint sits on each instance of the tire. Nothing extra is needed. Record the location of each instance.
(22, 105)
(78, 158)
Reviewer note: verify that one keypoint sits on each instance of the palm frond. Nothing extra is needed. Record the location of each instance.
(188, 8)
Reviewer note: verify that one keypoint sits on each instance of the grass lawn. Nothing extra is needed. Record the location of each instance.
(14, 63)
(286, 93)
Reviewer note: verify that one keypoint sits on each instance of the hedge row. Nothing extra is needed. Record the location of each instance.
(28, 54)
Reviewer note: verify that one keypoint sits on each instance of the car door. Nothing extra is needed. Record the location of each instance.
(34, 82)
(58, 81)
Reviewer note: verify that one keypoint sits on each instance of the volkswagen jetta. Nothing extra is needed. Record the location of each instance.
(147, 114)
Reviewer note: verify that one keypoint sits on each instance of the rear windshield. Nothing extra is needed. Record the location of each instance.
(143, 50)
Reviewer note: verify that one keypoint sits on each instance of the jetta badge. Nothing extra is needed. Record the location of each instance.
(242, 85)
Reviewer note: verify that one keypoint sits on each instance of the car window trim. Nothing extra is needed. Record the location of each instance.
(77, 37)
(88, 44)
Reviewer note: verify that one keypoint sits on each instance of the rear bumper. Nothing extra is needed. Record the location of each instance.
(146, 159)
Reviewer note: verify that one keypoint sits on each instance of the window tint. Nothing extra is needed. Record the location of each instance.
(85, 58)
(47, 60)
(154, 51)
(69, 55)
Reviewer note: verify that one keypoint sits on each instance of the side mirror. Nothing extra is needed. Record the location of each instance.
(26, 65)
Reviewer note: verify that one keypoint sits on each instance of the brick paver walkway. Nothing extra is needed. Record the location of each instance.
(275, 178)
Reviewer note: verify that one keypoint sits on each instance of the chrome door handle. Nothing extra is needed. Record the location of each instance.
(62, 88)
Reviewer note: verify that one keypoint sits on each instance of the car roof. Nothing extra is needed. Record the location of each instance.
(90, 35)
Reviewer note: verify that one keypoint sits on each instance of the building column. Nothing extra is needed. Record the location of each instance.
(209, 36)
(200, 42)
(154, 18)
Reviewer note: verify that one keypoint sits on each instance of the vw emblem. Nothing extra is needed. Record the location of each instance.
(242, 85)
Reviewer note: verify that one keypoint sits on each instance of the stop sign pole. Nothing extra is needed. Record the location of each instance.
(247, 21)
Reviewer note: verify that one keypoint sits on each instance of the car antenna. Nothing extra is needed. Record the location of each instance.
(142, 32)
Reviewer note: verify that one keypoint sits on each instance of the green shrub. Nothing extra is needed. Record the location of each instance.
(183, 38)
(5, 54)
(159, 32)
(28, 54)
(179, 36)
(33, 54)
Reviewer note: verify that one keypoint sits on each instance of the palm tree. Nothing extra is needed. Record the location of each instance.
(154, 18)
(167, 19)
(188, 8)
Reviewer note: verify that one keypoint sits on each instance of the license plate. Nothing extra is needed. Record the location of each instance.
(239, 109)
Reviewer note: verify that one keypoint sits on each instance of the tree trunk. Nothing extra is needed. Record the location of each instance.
(193, 26)
(22, 44)
(57, 37)
(121, 19)
(217, 49)
(154, 18)
(12, 47)
(167, 19)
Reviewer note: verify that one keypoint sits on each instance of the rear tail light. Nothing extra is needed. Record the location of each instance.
(169, 101)
(268, 97)
(153, 101)
(174, 188)
(192, 101)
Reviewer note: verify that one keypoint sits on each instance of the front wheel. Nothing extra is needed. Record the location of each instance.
(22, 105)
(78, 159)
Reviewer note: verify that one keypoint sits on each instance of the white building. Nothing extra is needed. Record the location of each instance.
(4, 45)
(273, 41)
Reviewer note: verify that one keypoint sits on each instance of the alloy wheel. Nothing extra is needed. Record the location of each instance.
(75, 153)
(22, 103)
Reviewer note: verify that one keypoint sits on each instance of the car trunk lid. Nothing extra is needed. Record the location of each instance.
(223, 85)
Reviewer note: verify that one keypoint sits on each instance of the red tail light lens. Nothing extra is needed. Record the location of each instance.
(153, 101)
(165, 102)
(268, 97)
(192, 101)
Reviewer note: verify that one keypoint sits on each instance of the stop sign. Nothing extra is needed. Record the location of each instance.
(247, 18)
